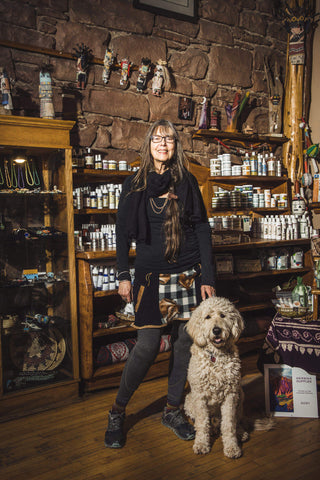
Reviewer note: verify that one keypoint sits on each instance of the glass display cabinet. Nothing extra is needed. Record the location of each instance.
(38, 303)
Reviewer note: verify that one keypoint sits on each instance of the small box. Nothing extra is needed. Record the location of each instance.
(244, 265)
(224, 263)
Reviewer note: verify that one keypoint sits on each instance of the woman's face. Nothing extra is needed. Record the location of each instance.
(162, 151)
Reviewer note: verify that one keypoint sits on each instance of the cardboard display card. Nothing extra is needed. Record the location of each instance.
(290, 392)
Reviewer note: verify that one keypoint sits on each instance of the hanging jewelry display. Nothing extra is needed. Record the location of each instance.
(36, 179)
(28, 174)
(1, 177)
(13, 175)
(21, 183)
(7, 174)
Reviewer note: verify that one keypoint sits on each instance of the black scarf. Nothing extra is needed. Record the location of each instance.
(189, 197)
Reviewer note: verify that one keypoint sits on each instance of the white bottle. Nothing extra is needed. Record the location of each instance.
(99, 199)
(94, 273)
(100, 279)
(105, 284)
(112, 200)
(264, 167)
(112, 279)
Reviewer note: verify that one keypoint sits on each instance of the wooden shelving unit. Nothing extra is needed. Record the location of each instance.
(28, 381)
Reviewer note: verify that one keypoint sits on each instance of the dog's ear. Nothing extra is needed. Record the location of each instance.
(195, 327)
(237, 325)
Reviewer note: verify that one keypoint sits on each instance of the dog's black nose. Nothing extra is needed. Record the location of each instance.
(216, 331)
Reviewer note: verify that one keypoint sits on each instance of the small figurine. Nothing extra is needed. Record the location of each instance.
(275, 91)
(45, 94)
(203, 122)
(84, 54)
(215, 119)
(107, 62)
(6, 91)
(125, 73)
(233, 111)
(161, 78)
(144, 70)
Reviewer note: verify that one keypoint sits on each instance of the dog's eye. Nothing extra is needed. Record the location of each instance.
(207, 317)
(222, 315)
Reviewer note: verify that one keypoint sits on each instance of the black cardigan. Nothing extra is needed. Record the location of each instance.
(196, 246)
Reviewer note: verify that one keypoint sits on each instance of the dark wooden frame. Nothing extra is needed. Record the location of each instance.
(169, 8)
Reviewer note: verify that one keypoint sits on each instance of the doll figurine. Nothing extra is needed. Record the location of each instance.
(6, 92)
(45, 95)
(144, 69)
(125, 72)
(83, 53)
(203, 122)
(161, 78)
(107, 62)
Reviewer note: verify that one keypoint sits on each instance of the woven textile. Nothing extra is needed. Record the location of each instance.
(291, 342)
(119, 351)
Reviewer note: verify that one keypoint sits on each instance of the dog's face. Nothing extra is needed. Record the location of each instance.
(216, 322)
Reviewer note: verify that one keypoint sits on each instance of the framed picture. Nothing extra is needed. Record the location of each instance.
(181, 9)
(290, 392)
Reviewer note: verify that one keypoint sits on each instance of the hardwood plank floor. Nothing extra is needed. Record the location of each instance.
(67, 444)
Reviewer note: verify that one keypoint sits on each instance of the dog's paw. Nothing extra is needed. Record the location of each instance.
(232, 451)
(200, 448)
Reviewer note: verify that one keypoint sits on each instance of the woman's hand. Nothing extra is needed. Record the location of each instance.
(125, 290)
(207, 291)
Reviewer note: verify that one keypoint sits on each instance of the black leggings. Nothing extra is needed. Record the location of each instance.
(143, 355)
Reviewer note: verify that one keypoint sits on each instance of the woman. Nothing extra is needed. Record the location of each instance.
(162, 209)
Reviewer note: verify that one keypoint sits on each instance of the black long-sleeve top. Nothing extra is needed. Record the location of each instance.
(195, 248)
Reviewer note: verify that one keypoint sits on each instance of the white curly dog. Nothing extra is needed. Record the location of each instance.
(214, 375)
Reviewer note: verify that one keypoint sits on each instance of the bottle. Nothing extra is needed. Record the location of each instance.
(95, 273)
(99, 199)
(93, 199)
(300, 294)
(259, 164)
(264, 167)
(271, 166)
(253, 164)
(105, 284)
(89, 159)
(98, 162)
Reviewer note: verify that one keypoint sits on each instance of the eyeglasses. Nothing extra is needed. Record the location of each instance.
(158, 138)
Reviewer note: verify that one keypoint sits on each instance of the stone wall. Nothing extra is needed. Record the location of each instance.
(214, 57)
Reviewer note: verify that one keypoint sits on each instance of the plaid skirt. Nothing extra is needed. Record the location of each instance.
(162, 298)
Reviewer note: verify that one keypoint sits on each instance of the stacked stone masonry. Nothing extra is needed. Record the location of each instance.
(223, 51)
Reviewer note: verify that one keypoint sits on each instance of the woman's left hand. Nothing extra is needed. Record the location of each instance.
(207, 291)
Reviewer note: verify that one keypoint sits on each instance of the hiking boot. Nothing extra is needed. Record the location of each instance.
(114, 436)
(175, 420)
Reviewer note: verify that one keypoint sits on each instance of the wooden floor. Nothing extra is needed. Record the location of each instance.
(67, 444)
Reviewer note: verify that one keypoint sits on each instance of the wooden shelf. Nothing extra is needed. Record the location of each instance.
(260, 243)
(262, 273)
(102, 332)
(95, 211)
(100, 254)
(238, 139)
(246, 179)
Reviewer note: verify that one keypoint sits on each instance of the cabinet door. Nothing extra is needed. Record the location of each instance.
(36, 318)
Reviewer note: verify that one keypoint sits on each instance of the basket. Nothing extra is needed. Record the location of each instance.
(304, 314)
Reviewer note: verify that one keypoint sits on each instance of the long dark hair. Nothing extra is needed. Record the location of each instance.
(178, 165)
